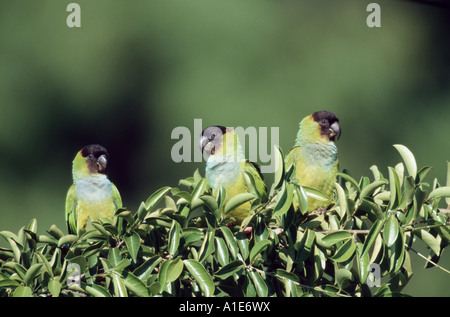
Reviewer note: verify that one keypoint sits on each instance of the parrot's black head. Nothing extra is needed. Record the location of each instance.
(96, 158)
(328, 123)
(211, 139)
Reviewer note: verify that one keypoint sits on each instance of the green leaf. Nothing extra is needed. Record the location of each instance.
(372, 235)
(243, 245)
(56, 232)
(201, 276)
(32, 273)
(279, 167)
(223, 256)
(260, 286)
(22, 291)
(305, 245)
(114, 256)
(208, 245)
(9, 283)
(174, 270)
(231, 241)
(101, 229)
(440, 192)
(15, 249)
(397, 254)
(394, 188)
(238, 200)
(258, 248)
(154, 199)
(133, 243)
(45, 262)
(335, 237)
(391, 230)
(350, 179)
(210, 202)
(120, 289)
(302, 199)
(363, 263)
(199, 189)
(69, 239)
(343, 278)
(429, 240)
(314, 193)
(96, 290)
(174, 238)
(54, 286)
(229, 269)
(408, 158)
(342, 200)
(32, 226)
(345, 252)
(368, 190)
(284, 199)
(144, 271)
(134, 284)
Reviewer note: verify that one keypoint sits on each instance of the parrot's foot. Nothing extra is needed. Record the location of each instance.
(321, 210)
(248, 230)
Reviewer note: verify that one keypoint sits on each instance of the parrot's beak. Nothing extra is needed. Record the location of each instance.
(102, 161)
(335, 131)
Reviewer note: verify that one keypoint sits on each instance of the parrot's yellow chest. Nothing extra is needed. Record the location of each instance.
(316, 167)
(94, 200)
(228, 174)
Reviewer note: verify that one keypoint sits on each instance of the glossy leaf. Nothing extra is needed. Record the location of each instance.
(134, 285)
(120, 289)
(201, 276)
(221, 251)
(260, 286)
(368, 190)
(238, 200)
(22, 291)
(258, 248)
(372, 235)
(429, 240)
(342, 200)
(174, 238)
(279, 166)
(284, 199)
(336, 237)
(408, 158)
(133, 243)
(345, 252)
(229, 269)
(391, 230)
(231, 241)
(440, 192)
(242, 242)
(155, 199)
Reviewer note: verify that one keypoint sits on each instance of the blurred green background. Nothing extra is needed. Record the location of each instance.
(135, 71)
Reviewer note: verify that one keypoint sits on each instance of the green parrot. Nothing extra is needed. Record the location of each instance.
(314, 156)
(92, 194)
(225, 166)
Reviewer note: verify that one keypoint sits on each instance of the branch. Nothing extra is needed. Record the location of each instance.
(428, 260)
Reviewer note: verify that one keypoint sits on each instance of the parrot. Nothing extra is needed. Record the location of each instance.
(314, 156)
(225, 166)
(92, 194)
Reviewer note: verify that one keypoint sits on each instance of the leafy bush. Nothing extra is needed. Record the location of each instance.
(178, 243)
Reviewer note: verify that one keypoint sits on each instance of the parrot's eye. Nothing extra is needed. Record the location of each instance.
(213, 136)
(324, 121)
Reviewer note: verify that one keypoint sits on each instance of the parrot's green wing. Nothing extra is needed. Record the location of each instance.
(116, 197)
(254, 170)
(71, 207)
